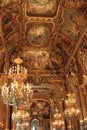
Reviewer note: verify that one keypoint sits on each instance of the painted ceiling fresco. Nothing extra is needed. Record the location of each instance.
(73, 22)
(41, 108)
(62, 37)
(7, 2)
(51, 38)
(43, 46)
(42, 60)
(36, 59)
(38, 34)
(9, 20)
(42, 7)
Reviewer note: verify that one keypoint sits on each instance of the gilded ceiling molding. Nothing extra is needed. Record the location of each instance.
(2, 40)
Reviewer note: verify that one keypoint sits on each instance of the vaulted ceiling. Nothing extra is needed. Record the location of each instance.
(51, 38)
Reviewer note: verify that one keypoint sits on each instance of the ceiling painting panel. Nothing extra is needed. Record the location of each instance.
(74, 4)
(10, 20)
(77, 5)
(5, 3)
(36, 59)
(72, 25)
(40, 107)
(45, 7)
(38, 34)
(43, 60)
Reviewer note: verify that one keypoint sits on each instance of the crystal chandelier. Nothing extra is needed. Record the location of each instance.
(18, 72)
(72, 112)
(17, 92)
(16, 95)
(22, 126)
(70, 102)
(20, 116)
(71, 109)
(58, 120)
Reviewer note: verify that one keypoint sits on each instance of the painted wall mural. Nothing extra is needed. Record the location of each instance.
(40, 107)
(36, 59)
(38, 34)
(42, 6)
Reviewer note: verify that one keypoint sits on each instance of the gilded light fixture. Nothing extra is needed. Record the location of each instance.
(18, 72)
(58, 120)
(22, 126)
(20, 116)
(71, 109)
(17, 92)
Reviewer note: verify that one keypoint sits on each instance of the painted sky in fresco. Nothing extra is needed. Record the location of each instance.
(38, 34)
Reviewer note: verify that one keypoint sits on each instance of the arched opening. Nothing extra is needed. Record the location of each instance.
(35, 124)
(40, 115)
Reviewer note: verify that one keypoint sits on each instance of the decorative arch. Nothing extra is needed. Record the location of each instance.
(35, 124)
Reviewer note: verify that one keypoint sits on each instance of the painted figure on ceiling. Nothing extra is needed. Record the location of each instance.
(6, 2)
(40, 2)
(38, 34)
(38, 6)
(74, 3)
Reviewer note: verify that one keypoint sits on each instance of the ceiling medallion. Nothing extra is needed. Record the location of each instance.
(38, 34)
